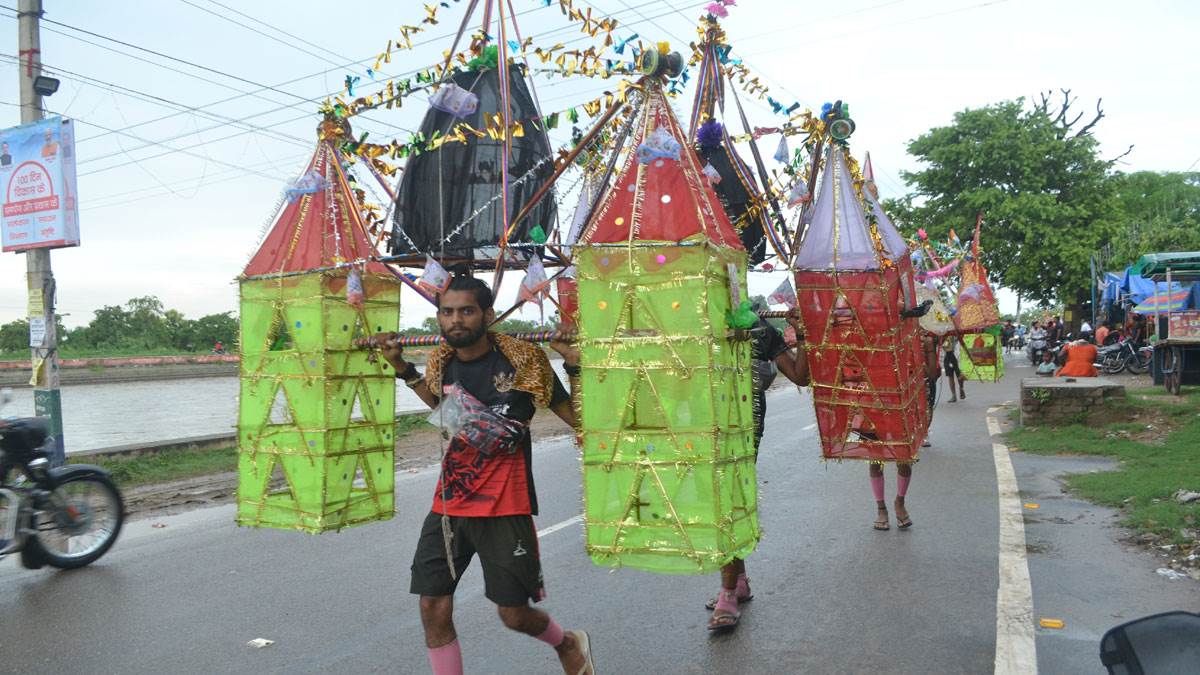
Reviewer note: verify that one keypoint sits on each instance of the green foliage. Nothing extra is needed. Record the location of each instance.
(1160, 211)
(1046, 195)
(166, 466)
(14, 336)
(141, 327)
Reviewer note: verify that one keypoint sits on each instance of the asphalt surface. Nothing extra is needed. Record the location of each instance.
(184, 594)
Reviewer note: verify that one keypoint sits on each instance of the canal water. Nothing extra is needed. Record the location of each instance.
(121, 413)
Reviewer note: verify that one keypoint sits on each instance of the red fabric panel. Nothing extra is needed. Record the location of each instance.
(865, 363)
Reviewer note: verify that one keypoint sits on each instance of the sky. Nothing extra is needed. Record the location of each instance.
(217, 117)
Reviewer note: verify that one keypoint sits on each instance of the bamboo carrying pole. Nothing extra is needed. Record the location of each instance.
(531, 336)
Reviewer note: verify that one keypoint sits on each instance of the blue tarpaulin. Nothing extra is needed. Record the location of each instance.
(1137, 288)
(1110, 286)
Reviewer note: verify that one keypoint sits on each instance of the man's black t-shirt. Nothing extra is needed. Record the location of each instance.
(479, 484)
(768, 343)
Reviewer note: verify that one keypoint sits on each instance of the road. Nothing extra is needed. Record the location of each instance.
(184, 594)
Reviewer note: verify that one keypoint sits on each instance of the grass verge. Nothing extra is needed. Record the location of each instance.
(163, 467)
(1155, 437)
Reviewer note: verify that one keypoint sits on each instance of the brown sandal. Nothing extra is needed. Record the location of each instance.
(884, 522)
(903, 522)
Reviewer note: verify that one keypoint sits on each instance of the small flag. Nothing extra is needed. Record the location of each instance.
(784, 295)
(781, 151)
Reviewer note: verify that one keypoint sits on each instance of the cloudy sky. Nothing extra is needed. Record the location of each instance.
(192, 115)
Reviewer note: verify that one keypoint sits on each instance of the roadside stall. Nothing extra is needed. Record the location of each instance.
(1176, 318)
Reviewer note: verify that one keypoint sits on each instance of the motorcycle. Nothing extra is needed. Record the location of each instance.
(1118, 357)
(1153, 645)
(65, 517)
(1035, 349)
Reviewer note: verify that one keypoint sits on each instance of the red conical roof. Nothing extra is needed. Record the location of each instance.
(317, 230)
(665, 200)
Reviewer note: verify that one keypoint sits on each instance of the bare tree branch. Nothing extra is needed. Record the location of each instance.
(1114, 160)
(1099, 116)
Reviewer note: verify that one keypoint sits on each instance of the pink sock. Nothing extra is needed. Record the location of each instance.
(902, 485)
(877, 487)
(553, 635)
(447, 659)
(727, 601)
(743, 586)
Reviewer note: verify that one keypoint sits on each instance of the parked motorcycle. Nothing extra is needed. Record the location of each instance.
(1118, 357)
(1161, 644)
(65, 517)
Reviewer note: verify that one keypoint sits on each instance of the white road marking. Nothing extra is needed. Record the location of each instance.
(810, 427)
(1016, 648)
(558, 526)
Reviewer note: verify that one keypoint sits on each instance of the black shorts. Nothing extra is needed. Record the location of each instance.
(507, 548)
(950, 365)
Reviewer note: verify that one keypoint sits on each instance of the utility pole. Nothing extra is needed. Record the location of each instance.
(47, 398)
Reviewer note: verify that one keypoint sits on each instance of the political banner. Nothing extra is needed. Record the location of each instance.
(37, 171)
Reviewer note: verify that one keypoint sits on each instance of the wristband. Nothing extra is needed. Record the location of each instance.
(572, 370)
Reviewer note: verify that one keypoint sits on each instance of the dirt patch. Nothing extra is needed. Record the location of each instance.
(1148, 424)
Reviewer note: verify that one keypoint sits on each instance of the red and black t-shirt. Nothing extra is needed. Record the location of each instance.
(478, 482)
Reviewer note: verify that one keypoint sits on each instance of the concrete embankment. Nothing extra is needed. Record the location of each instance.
(126, 369)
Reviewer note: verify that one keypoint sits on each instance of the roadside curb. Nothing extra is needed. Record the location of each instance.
(1016, 645)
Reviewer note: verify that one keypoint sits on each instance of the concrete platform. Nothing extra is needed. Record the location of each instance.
(1059, 401)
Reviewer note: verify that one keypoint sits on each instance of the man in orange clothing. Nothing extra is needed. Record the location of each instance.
(1080, 355)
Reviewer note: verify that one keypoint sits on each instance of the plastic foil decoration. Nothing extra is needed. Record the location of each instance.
(666, 423)
(452, 99)
(937, 320)
(853, 279)
(442, 188)
(983, 357)
(316, 418)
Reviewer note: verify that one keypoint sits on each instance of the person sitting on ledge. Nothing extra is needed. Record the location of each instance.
(1080, 355)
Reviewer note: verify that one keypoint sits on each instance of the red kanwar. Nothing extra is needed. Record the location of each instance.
(853, 279)
(657, 201)
(317, 230)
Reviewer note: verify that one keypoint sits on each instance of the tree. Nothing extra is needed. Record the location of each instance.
(1037, 176)
(14, 336)
(1160, 212)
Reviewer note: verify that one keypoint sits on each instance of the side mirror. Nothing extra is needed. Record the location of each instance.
(1163, 643)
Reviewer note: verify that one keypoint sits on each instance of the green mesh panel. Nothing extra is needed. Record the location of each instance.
(668, 447)
(330, 470)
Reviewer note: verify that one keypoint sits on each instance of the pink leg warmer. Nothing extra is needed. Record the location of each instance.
(727, 601)
(877, 487)
(902, 485)
(553, 635)
(743, 586)
(446, 660)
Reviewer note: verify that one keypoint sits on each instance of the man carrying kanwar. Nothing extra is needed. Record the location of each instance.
(485, 499)
(768, 352)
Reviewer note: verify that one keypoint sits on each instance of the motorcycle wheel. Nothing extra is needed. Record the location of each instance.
(1137, 364)
(72, 540)
(1111, 366)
